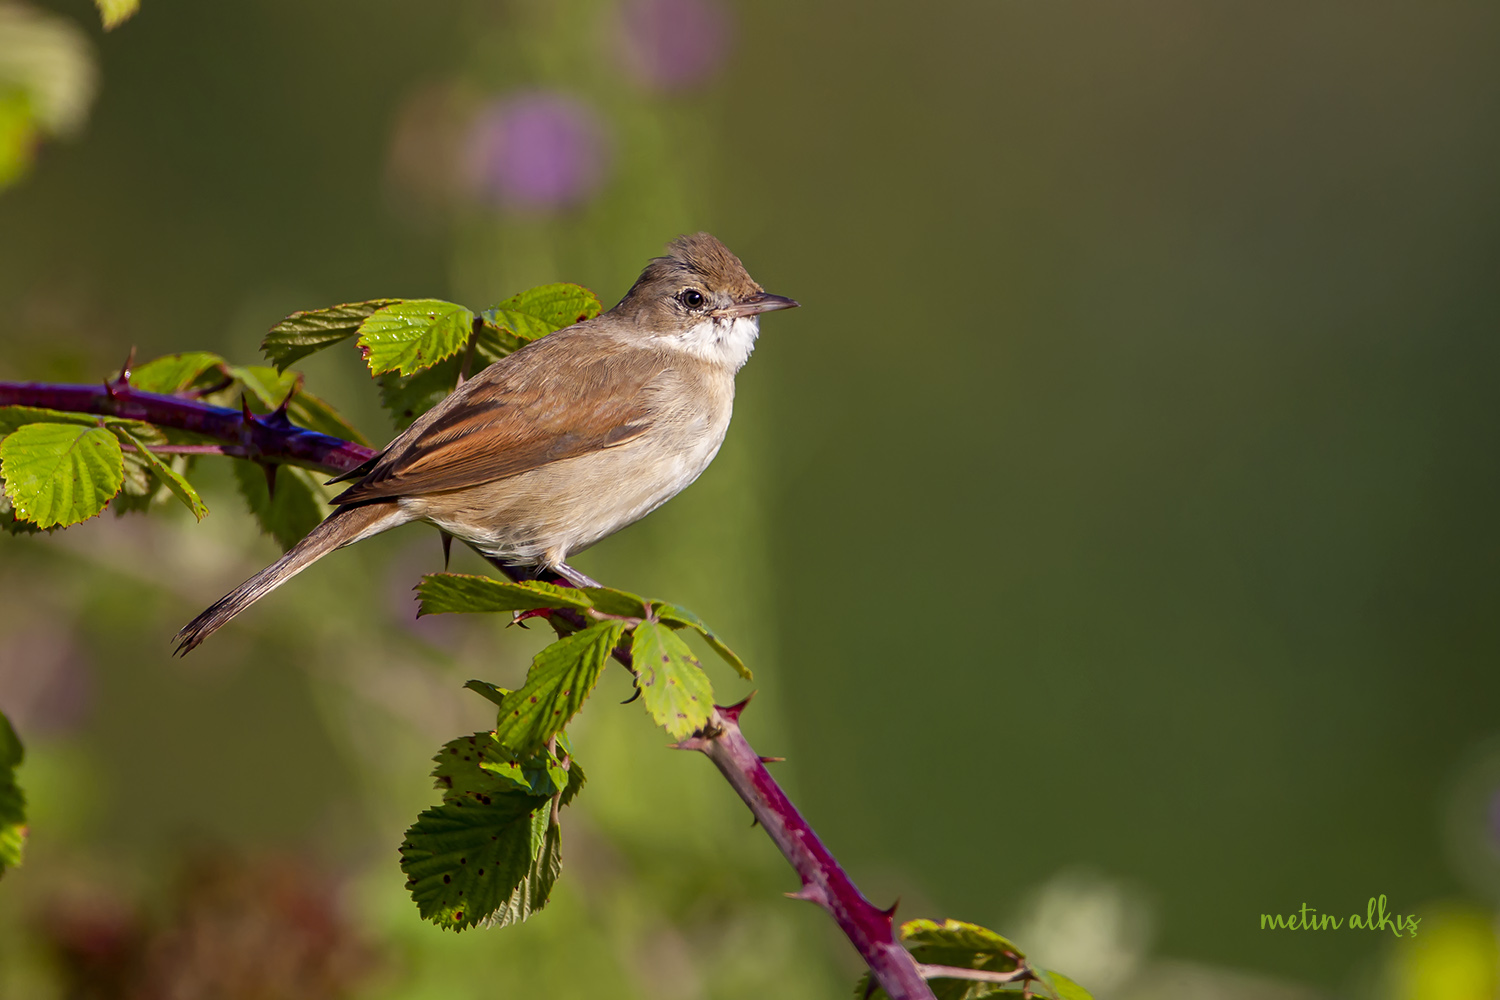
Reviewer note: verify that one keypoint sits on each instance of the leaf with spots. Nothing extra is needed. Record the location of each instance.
(304, 333)
(296, 508)
(60, 474)
(539, 311)
(478, 768)
(673, 686)
(560, 679)
(678, 617)
(446, 593)
(464, 860)
(12, 799)
(413, 334)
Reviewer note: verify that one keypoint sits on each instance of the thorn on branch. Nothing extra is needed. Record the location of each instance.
(269, 468)
(694, 742)
(772, 760)
(890, 912)
(732, 712)
(448, 551)
(121, 381)
(809, 894)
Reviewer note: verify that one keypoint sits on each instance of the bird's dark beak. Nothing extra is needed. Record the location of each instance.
(758, 303)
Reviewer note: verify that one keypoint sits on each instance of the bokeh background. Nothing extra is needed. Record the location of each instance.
(1112, 531)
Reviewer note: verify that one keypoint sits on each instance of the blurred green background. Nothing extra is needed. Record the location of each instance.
(1111, 531)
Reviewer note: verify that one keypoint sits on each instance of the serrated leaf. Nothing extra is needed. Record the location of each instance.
(413, 334)
(297, 508)
(560, 679)
(304, 333)
(175, 372)
(616, 602)
(12, 799)
(167, 476)
(478, 767)
(116, 12)
(673, 686)
(680, 617)
(539, 311)
(60, 474)
(464, 861)
(535, 889)
(447, 593)
(407, 397)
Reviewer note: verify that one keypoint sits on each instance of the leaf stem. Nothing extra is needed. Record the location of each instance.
(275, 439)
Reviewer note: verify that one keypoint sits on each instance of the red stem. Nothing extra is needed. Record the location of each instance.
(275, 439)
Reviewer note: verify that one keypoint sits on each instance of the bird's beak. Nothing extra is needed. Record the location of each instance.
(756, 304)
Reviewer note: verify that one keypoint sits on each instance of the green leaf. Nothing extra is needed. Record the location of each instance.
(304, 333)
(60, 474)
(674, 687)
(116, 12)
(539, 311)
(479, 767)
(317, 414)
(680, 617)
(12, 799)
(13, 418)
(413, 334)
(1063, 987)
(164, 473)
(265, 386)
(560, 679)
(11, 524)
(576, 779)
(446, 593)
(488, 690)
(967, 946)
(463, 861)
(407, 397)
(616, 602)
(535, 889)
(297, 508)
(176, 372)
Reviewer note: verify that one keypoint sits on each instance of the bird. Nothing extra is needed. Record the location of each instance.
(563, 442)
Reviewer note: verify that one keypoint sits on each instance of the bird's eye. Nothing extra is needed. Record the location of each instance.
(692, 298)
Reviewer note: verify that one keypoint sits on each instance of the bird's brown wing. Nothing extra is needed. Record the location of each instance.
(537, 406)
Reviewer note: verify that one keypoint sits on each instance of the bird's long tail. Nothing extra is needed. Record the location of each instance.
(342, 527)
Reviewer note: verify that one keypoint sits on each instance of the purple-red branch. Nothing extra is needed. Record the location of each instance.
(275, 439)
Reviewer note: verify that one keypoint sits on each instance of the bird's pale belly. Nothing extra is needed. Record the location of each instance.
(545, 515)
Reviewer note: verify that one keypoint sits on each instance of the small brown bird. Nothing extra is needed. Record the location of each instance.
(567, 440)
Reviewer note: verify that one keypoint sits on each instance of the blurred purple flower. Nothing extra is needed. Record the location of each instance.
(673, 44)
(537, 150)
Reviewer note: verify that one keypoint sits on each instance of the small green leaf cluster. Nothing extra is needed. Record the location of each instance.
(58, 468)
(12, 799)
(960, 945)
(420, 348)
(491, 851)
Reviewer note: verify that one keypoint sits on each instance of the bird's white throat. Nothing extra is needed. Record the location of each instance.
(722, 341)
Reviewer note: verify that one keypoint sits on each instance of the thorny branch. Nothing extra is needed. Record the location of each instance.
(273, 439)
